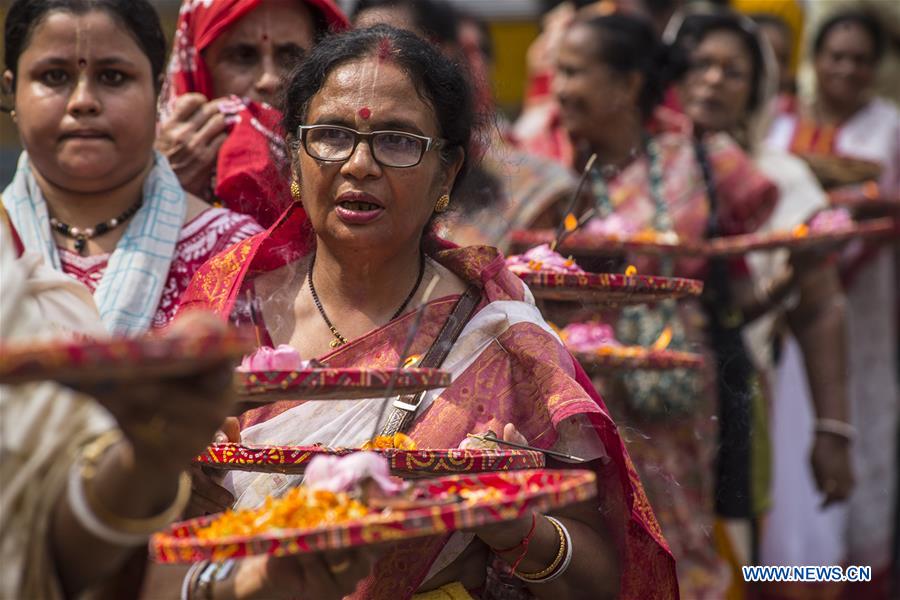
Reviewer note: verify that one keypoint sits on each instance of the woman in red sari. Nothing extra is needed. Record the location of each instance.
(218, 128)
(379, 126)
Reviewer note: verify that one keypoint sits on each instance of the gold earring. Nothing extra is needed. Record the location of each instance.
(295, 189)
(442, 203)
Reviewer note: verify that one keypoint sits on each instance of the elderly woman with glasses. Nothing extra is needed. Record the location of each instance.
(353, 274)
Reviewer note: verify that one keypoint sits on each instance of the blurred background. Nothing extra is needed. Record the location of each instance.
(515, 23)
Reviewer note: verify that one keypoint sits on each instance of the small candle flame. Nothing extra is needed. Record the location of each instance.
(631, 271)
(571, 222)
(664, 339)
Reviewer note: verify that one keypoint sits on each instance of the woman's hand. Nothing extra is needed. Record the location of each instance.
(510, 434)
(329, 576)
(190, 138)
(208, 496)
(170, 421)
(831, 467)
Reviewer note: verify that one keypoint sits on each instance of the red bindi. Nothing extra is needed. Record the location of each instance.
(265, 38)
(365, 112)
(82, 63)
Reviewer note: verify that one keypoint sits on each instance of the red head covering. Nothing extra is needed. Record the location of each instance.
(251, 173)
(200, 22)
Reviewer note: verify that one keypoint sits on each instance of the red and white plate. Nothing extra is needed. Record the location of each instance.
(509, 496)
(609, 289)
(118, 360)
(405, 463)
(336, 384)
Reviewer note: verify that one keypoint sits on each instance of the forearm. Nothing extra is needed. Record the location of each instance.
(593, 571)
(123, 487)
(819, 325)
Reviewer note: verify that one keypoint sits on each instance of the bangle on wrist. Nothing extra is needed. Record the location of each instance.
(522, 544)
(99, 521)
(836, 427)
(189, 583)
(560, 563)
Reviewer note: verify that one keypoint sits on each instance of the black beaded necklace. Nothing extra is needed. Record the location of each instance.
(340, 340)
(81, 236)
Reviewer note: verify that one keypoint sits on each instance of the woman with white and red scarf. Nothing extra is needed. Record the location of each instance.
(218, 127)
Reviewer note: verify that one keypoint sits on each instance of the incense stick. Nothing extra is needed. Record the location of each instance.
(561, 230)
(553, 453)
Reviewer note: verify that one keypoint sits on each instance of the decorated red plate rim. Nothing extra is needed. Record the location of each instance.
(615, 283)
(740, 244)
(421, 460)
(306, 382)
(651, 360)
(581, 242)
(118, 358)
(585, 243)
(538, 489)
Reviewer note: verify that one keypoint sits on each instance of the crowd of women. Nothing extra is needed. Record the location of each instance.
(342, 183)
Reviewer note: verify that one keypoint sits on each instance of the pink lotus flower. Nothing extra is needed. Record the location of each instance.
(542, 259)
(613, 226)
(282, 358)
(348, 473)
(830, 220)
(588, 337)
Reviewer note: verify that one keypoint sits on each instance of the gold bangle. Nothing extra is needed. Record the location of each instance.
(553, 566)
(90, 458)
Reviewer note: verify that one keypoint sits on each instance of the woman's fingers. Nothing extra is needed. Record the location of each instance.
(336, 575)
(208, 131)
(511, 434)
(229, 432)
(185, 106)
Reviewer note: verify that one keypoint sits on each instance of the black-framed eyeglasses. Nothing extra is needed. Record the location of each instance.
(398, 149)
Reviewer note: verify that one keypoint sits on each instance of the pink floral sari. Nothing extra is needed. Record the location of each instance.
(522, 374)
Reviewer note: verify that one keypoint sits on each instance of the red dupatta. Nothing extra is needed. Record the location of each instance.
(200, 22)
(251, 172)
(526, 377)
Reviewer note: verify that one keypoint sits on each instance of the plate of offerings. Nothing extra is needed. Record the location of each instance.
(338, 507)
(585, 242)
(624, 358)
(551, 276)
(404, 459)
(594, 346)
(827, 228)
(866, 195)
(90, 361)
(273, 374)
(322, 383)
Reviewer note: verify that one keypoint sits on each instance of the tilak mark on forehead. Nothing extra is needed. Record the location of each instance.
(385, 49)
(365, 112)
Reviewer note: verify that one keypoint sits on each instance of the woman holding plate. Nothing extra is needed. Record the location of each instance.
(379, 125)
(729, 87)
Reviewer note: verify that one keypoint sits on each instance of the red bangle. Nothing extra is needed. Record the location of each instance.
(522, 544)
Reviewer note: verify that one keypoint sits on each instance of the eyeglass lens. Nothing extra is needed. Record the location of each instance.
(391, 149)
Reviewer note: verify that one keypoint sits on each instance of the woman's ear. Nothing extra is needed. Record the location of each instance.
(452, 167)
(634, 85)
(8, 89)
(293, 149)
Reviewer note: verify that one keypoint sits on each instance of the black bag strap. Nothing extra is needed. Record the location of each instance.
(405, 408)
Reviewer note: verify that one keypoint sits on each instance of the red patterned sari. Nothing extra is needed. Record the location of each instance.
(521, 374)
